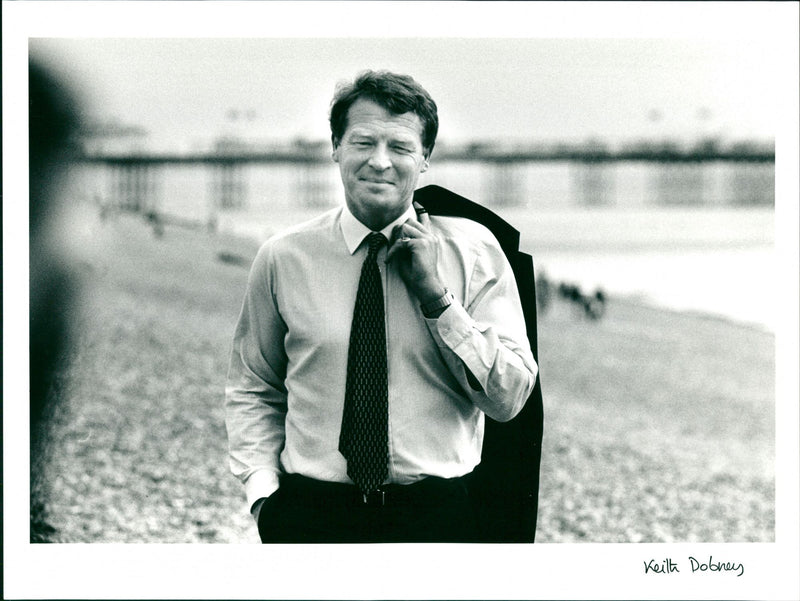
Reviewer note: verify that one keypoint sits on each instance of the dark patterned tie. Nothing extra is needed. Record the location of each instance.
(364, 438)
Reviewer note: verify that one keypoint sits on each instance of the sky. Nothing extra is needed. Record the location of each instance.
(184, 91)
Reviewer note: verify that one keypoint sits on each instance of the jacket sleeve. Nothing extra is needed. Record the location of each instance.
(255, 392)
(483, 340)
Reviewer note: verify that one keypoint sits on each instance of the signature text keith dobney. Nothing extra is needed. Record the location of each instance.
(667, 566)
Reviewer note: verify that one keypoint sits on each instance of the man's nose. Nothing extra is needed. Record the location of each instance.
(379, 158)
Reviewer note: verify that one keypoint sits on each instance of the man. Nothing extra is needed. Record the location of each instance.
(372, 342)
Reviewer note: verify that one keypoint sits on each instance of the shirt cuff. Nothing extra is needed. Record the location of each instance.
(260, 484)
(451, 327)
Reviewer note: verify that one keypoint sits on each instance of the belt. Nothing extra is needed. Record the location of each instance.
(427, 490)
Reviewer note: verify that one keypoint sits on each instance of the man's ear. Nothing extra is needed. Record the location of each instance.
(335, 152)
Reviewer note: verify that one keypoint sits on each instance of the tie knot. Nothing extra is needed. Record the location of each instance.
(375, 240)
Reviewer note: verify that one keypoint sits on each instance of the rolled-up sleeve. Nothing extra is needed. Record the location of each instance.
(483, 339)
(255, 391)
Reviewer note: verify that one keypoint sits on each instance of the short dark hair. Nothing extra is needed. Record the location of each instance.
(396, 93)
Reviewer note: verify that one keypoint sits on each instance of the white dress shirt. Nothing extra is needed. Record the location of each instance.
(286, 380)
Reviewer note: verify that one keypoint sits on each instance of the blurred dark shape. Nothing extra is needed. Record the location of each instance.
(53, 120)
(595, 305)
(155, 220)
(544, 292)
(570, 292)
(592, 306)
(233, 258)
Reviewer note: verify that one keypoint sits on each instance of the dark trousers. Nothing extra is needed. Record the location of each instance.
(310, 511)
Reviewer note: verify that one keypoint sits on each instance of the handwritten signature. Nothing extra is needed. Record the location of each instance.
(668, 566)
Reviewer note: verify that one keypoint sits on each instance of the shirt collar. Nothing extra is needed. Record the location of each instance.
(354, 231)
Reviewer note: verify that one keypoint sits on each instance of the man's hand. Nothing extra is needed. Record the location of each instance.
(415, 250)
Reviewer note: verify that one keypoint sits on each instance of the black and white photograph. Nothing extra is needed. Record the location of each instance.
(493, 300)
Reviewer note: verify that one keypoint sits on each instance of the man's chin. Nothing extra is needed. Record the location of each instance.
(384, 197)
(377, 209)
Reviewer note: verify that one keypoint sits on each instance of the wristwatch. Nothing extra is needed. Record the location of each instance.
(431, 309)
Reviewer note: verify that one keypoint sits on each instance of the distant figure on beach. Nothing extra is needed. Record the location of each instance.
(591, 306)
(543, 292)
(595, 305)
(372, 342)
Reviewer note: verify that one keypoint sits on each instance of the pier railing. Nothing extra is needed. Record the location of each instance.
(486, 154)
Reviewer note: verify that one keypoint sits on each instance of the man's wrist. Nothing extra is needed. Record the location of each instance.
(429, 290)
(435, 307)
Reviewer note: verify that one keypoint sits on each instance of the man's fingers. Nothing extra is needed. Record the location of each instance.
(395, 242)
(411, 227)
(397, 232)
(422, 214)
(405, 234)
(399, 245)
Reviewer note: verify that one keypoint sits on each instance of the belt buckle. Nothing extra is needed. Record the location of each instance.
(375, 498)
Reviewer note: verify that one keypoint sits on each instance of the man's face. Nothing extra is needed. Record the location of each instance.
(380, 158)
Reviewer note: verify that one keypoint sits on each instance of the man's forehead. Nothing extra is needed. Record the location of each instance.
(367, 116)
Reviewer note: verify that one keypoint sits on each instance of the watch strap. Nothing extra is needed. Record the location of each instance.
(440, 303)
